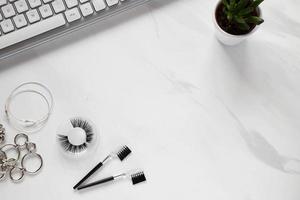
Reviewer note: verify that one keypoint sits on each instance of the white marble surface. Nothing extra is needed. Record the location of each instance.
(204, 121)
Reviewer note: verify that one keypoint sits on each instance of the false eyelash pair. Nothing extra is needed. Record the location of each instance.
(136, 178)
(77, 136)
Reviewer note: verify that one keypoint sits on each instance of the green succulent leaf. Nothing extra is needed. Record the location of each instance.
(244, 26)
(246, 11)
(241, 4)
(229, 16)
(254, 20)
(241, 14)
(256, 3)
(239, 20)
(231, 7)
(225, 2)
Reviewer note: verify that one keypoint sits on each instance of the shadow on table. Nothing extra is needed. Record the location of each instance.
(264, 151)
(253, 63)
(81, 34)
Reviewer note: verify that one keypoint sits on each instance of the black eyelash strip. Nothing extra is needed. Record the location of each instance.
(67, 146)
(80, 123)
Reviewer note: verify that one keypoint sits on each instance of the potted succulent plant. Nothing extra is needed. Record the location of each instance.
(235, 20)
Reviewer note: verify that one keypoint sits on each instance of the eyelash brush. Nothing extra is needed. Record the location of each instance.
(121, 154)
(135, 178)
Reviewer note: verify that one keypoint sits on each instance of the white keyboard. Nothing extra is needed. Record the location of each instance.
(22, 20)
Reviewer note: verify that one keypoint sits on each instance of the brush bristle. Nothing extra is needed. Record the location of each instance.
(123, 153)
(138, 178)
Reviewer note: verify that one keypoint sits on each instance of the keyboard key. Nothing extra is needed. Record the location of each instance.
(1, 17)
(34, 3)
(99, 5)
(83, 1)
(58, 6)
(33, 16)
(86, 9)
(8, 11)
(3, 2)
(7, 26)
(72, 15)
(47, 1)
(45, 11)
(21, 6)
(32, 30)
(20, 21)
(71, 3)
(112, 2)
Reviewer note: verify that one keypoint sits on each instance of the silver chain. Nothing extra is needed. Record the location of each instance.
(15, 166)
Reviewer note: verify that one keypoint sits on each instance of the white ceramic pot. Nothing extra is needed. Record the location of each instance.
(227, 38)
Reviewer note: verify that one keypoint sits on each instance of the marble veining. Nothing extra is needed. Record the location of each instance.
(265, 151)
(205, 121)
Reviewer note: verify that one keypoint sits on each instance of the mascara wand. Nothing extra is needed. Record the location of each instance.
(135, 178)
(121, 154)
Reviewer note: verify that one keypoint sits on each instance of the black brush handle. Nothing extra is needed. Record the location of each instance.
(105, 180)
(99, 165)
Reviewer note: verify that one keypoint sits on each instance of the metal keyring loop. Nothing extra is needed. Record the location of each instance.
(3, 168)
(2, 133)
(17, 137)
(2, 157)
(31, 147)
(29, 125)
(12, 171)
(14, 147)
(2, 176)
(32, 154)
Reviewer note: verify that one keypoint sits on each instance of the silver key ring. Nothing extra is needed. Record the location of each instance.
(31, 147)
(7, 147)
(2, 133)
(14, 171)
(18, 138)
(29, 125)
(2, 175)
(9, 163)
(3, 157)
(35, 155)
